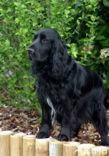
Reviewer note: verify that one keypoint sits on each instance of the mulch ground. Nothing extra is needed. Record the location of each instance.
(27, 120)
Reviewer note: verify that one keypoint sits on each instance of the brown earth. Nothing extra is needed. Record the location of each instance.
(27, 120)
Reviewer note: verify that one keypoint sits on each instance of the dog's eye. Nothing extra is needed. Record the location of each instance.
(44, 41)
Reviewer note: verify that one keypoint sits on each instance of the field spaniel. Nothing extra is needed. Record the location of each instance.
(67, 91)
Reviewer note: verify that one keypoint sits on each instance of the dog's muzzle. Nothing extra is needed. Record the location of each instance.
(31, 53)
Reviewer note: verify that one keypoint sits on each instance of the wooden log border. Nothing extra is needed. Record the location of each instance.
(20, 144)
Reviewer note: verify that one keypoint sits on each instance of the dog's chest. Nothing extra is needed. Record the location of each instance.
(54, 100)
(53, 111)
(56, 90)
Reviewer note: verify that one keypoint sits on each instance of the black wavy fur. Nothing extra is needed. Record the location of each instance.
(77, 93)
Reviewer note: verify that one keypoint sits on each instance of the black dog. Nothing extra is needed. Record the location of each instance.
(67, 91)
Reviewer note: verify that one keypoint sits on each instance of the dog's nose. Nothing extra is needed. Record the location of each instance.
(31, 53)
(30, 50)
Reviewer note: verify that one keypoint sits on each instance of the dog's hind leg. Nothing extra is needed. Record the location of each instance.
(100, 123)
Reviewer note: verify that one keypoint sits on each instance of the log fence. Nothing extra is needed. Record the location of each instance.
(20, 144)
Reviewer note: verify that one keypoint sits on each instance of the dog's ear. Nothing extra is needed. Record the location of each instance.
(59, 52)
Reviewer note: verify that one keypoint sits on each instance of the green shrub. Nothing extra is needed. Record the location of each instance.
(82, 24)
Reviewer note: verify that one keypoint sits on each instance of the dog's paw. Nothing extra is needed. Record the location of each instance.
(105, 141)
(73, 135)
(41, 135)
(63, 137)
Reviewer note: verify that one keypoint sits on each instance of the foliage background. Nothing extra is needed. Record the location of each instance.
(83, 25)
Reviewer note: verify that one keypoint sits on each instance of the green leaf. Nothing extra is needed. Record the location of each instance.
(100, 37)
(106, 3)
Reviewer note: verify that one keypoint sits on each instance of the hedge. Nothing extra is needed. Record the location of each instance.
(83, 25)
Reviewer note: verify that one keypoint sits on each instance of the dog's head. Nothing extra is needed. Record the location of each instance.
(44, 43)
(47, 45)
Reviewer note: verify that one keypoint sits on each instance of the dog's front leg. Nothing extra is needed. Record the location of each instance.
(44, 131)
(65, 127)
